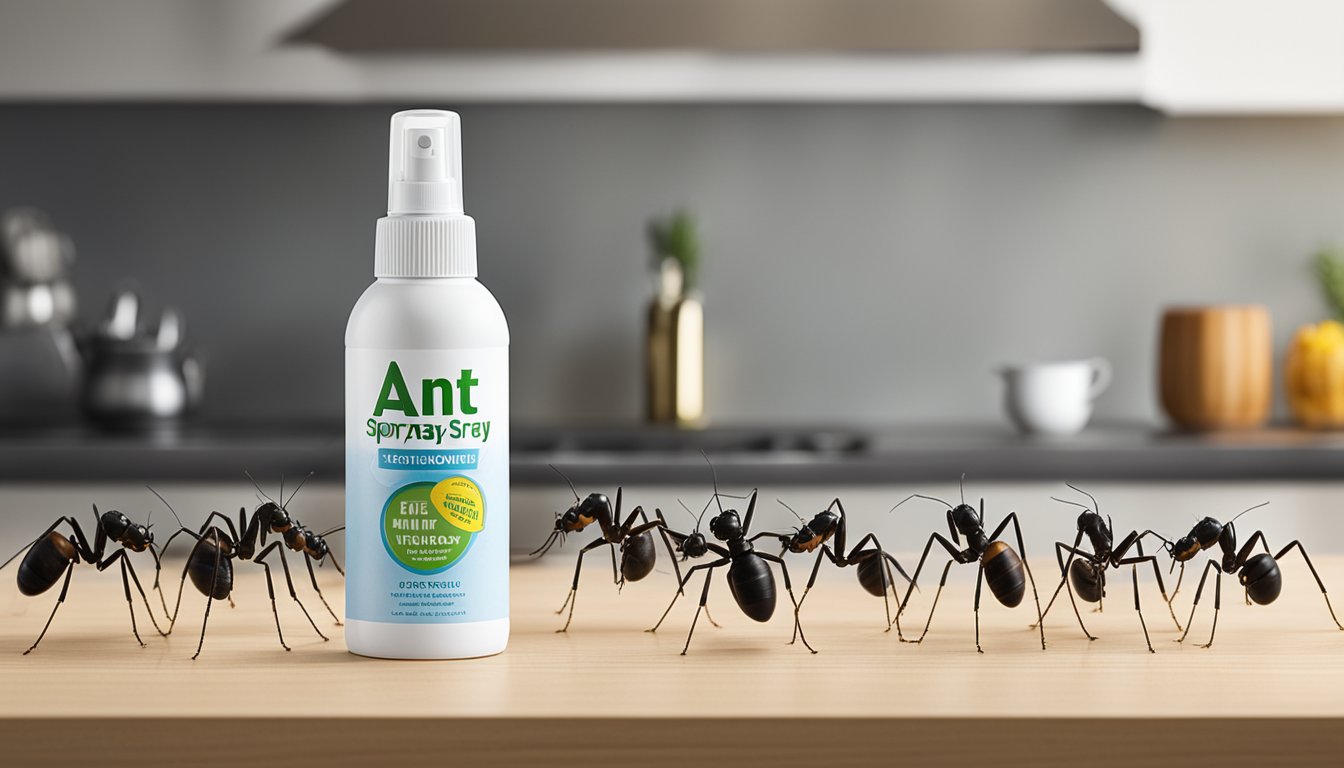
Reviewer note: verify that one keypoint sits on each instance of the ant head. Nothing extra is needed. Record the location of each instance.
(120, 529)
(274, 517)
(695, 545)
(115, 524)
(1090, 522)
(582, 514)
(965, 517)
(314, 545)
(1183, 548)
(726, 525)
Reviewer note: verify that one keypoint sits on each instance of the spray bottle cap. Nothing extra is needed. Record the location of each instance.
(425, 167)
(426, 232)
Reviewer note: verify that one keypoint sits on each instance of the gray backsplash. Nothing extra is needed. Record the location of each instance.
(867, 264)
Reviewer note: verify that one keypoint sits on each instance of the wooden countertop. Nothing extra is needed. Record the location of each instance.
(607, 693)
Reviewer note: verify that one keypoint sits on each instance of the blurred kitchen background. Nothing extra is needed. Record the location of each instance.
(893, 200)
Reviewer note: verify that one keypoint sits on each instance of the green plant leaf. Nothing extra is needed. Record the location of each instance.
(1330, 269)
(676, 237)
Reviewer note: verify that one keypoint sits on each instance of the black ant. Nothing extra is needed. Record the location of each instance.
(999, 565)
(53, 555)
(639, 552)
(874, 565)
(1258, 574)
(210, 564)
(1084, 572)
(749, 576)
(690, 546)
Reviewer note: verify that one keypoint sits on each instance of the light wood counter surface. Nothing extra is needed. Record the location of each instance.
(607, 693)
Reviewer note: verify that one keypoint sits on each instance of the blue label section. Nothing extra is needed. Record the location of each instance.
(418, 460)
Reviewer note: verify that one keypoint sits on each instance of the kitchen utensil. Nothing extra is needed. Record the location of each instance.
(1054, 398)
(1216, 366)
(35, 291)
(135, 381)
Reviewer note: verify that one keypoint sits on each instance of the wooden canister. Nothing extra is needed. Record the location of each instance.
(1216, 366)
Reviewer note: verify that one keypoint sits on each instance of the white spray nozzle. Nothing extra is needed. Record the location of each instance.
(425, 167)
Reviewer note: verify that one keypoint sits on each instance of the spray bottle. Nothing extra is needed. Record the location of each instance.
(427, 421)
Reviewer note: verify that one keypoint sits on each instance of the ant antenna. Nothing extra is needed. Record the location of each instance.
(1095, 506)
(795, 514)
(258, 487)
(169, 506)
(962, 485)
(699, 517)
(1066, 501)
(689, 512)
(296, 490)
(1244, 511)
(715, 475)
(919, 496)
(567, 480)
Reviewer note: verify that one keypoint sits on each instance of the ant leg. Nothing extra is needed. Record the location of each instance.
(210, 597)
(1179, 577)
(712, 622)
(335, 563)
(661, 526)
(704, 597)
(1198, 592)
(681, 590)
(573, 596)
(816, 568)
(1157, 573)
(784, 568)
(1060, 547)
(1314, 574)
(1139, 611)
(1064, 583)
(615, 570)
(979, 579)
(130, 606)
(126, 565)
(65, 587)
(139, 588)
(289, 582)
(270, 589)
(942, 581)
(1134, 561)
(956, 557)
(312, 576)
(894, 591)
(1217, 604)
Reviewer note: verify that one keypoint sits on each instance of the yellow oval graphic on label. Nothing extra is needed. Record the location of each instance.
(460, 502)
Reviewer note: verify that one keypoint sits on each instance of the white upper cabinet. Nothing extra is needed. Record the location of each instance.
(1181, 56)
(1240, 56)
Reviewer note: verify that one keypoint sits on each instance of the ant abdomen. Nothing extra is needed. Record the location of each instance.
(1262, 579)
(873, 576)
(1004, 574)
(1088, 580)
(638, 556)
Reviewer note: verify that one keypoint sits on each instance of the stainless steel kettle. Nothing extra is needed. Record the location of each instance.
(138, 381)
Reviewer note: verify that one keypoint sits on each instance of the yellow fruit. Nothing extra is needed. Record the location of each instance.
(1314, 375)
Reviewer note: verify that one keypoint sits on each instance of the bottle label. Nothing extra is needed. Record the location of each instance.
(427, 485)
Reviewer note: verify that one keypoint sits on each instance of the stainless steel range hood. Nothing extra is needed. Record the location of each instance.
(764, 26)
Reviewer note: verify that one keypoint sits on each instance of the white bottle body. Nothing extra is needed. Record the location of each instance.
(422, 583)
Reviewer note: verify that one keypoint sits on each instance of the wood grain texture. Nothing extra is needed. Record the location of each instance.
(1216, 366)
(607, 693)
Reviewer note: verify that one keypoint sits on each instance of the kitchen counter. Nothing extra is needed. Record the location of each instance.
(607, 693)
(743, 455)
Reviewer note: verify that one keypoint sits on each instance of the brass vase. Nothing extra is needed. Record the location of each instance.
(675, 352)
